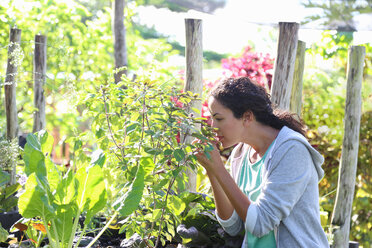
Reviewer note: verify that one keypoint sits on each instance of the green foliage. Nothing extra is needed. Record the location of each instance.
(324, 116)
(8, 200)
(9, 152)
(338, 14)
(57, 197)
(141, 125)
(79, 56)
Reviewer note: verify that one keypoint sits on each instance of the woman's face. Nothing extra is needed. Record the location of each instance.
(229, 129)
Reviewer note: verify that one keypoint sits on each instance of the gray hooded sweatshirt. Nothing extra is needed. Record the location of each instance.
(289, 199)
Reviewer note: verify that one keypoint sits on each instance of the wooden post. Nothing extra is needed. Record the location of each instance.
(194, 76)
(284, 64)
(11, 84)
(39, 82)
(10, 93)
(120, 47)
(296, 92)
(349, 157)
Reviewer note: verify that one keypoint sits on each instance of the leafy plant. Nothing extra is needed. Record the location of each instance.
(143, 132)
(58, 198)
(8, 161)
(7, 198)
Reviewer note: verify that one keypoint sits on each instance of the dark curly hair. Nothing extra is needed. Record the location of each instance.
(241, 95)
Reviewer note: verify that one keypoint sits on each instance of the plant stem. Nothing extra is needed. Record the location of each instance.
(81, 236)
(55, 232)
(162, 214)
(74, 227)
(49, 235)
(103, 230)
(109, 125)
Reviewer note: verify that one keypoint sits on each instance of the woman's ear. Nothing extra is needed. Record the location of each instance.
(248, 116)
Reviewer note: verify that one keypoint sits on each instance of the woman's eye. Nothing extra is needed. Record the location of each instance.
(219, 119)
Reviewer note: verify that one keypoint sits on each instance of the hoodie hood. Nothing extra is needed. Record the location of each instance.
(286, 134)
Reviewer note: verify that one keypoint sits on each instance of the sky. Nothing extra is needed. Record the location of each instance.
(231, 28)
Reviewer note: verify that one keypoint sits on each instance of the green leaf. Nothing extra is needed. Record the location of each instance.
(152, 151)
(148, 164)
(91, 195)
(4, 178)
(168, 152)
(33, 141)
(3, 234)
(98, 158)
(176, 171)
(77, 145)
(53, 174)
(33, 156)
(159, 185)
(130, 200)
(10, 190)
(179, 155)
(46, 141)
(64, 223)
(156, 214)
(34, 202)
(66, 192)
(197, 111)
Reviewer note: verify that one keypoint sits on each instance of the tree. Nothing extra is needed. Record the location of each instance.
(120, 46)
(338, 15)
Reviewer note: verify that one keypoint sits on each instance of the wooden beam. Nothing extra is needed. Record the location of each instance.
(120, 46)
(296, 92)
(284, 64)
(39, 82)
(11, 84)
(350, 146)
(194, 75)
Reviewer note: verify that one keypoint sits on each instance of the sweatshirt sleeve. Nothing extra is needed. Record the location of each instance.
(233, 225)
(285, 184)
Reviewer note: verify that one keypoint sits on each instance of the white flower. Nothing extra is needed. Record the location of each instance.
(323, 129)
(22, 180)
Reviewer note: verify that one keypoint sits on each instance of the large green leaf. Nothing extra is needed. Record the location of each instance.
(66, 192)
(33, 156)
(91, 196)
(131, 199)
(54, 176)
(34, 200)
(46, 142)
(64, 223)
(176, 205)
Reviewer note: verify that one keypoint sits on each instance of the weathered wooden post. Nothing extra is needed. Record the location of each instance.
(296, 92)
(284, 64)
(194, 76)
(349, 157)
(39, 82)
(120, 46)
(10, 84)
(10, 91)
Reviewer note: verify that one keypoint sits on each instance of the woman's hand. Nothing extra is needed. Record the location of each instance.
(211, 163)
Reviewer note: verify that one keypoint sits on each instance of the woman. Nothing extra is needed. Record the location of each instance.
(272, 191)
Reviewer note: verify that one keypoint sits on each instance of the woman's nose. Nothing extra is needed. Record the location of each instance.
(213, 124)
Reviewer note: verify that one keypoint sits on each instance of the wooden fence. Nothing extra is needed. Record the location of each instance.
(286, 92)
